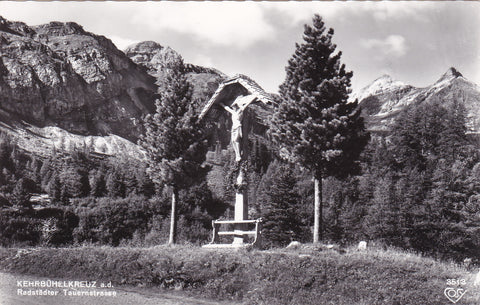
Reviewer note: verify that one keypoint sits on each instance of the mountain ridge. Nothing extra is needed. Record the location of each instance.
(158, 60)
(59, 80)
(57, 74)
(381, 107)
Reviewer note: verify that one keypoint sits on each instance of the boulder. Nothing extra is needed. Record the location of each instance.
(294, 245)
(476, 282)
(362, 245)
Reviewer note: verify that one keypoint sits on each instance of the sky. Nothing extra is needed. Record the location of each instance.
(414, 42)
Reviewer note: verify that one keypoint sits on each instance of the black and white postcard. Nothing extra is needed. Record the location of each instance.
(239, 152)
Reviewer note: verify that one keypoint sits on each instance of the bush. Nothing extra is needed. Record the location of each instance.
(139, 221)
(109, 220)
(135, 220)
(50, 226)
(19, 228)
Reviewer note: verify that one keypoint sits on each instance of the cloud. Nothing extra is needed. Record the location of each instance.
(220, 23)
(393, 45)
(210, 22)
(383, 11)
(302, 12)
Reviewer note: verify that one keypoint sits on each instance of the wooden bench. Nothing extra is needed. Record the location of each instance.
(237, 232)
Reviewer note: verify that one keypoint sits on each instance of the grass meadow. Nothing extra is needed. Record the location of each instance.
(308, 275)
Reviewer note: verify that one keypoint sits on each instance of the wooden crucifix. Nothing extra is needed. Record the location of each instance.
(234, 96)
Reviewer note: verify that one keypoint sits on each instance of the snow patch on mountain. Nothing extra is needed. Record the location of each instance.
(44, 140)
(381, 85)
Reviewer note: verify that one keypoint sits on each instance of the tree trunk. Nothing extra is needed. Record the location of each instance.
(317, 222)
(173, 219)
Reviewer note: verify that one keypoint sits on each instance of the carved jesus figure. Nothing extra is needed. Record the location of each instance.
(237, 109)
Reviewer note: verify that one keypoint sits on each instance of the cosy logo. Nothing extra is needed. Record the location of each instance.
(454, 294)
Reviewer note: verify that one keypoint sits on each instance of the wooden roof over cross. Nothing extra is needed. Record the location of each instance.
(230, 89)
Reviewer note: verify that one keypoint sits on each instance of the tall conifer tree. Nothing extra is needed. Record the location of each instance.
(173, 139)
(313, 124)
(282, 223)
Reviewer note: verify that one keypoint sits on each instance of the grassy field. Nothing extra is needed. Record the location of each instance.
(310, 275)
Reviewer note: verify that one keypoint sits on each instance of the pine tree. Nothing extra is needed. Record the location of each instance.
(173, 139)
(453, 143)
(20, 194)
(72, 180)
(313, 124)
(281, 222)
(144, 183)
(7, 146)
(424, 134)
(98, 183)
(54, 188)
(33, 169)
(45, 173)
(114, 184)
(433, 159)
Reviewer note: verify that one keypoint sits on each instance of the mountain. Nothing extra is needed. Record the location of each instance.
(64, 87)
(158, 60)
(58, 74)
(382, 85)
(385, 98)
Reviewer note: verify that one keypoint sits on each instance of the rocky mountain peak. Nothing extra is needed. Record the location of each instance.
(160, 60)
(3, 21)
(59, 81)
(14, 27)
(451, 73)
(385, 82)
(56, 28)
(57, 74)
(144, 47)
(381, 85)
(153, 56)
(384, 78)
(380, 107)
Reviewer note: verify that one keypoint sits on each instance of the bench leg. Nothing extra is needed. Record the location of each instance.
(257, 243)
(215, 232)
